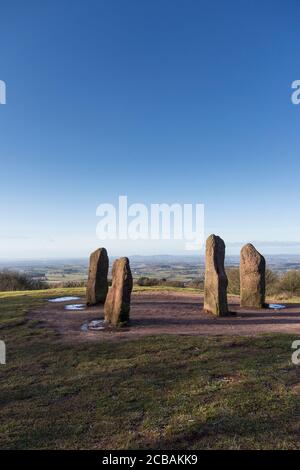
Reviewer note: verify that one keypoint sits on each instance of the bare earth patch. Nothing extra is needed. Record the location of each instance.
(154, 313)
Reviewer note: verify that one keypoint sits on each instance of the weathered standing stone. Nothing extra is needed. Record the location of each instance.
(252, 277)
(215, 285)
(117, 305)
(97, 285)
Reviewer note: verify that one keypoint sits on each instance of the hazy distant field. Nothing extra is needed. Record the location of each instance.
(183, 268)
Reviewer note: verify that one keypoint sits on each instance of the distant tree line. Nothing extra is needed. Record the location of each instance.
(153, 281)
(15, 280)
(282, 285)
(285, 285)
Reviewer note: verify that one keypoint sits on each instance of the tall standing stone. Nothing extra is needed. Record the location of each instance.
(117, 305)
(215, 285)
(97, 285)
(252, 277)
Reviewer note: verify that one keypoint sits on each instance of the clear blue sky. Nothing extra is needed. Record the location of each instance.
(161, 100)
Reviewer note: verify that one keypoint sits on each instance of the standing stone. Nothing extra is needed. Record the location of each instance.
(97, 285)
(215, 285)
(252, 277)
(117, 305)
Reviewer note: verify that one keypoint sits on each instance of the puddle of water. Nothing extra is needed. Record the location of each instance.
(94, 325)
(63, 299)
(276, 306)
(75, 307)
(85, 326)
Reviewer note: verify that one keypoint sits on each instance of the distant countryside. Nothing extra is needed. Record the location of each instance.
(282, 275)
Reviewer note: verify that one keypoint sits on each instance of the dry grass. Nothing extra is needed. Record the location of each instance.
(157, 392)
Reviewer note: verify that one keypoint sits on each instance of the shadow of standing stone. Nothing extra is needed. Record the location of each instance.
(117, 305)
(252, 277)
(97, 285)
(215, 285)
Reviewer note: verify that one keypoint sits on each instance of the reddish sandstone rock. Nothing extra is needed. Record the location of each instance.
(117, 305)
(252, 277)
(97, 285)
(215, 285)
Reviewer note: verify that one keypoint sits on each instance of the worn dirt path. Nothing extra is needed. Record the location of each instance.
(156, 313)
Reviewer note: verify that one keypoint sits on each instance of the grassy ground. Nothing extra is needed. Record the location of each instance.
(159, 392)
